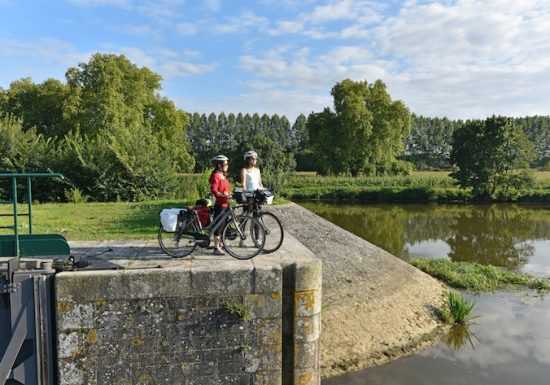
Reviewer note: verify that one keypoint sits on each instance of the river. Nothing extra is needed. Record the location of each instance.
(508, 342)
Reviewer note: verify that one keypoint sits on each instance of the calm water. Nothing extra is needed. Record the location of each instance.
(511, 235)
(510, 341)
(508, 345)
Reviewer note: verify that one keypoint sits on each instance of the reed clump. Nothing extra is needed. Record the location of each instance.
(457, 310)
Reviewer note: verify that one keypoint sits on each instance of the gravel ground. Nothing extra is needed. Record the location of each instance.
(376, 307)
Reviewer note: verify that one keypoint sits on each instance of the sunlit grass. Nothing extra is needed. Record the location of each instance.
(457, 310)
(476, 277)
(94, 221)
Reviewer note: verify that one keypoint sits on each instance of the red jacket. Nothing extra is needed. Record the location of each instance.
(218, 185)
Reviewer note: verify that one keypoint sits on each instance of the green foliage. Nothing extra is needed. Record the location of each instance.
(364, 134)
(27, 151)
(232, 135)
(125, 164)
(75, 196)
(239, 310)
(39, 106)
(457, 310)
(429, 144)
(489, 154)
(275, 163)
(476, 277)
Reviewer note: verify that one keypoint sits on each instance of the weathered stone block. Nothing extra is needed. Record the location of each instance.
(264, 305)
(308, 329)
(268, 278)
(307, 303)
(306, 354)
(211, 282)
(309, 275)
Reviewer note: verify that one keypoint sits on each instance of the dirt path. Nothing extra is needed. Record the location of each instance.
(376, 307)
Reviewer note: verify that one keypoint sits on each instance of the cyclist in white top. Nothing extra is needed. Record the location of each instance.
(251, 178)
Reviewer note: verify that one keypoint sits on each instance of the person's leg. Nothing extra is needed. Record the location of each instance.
(217, 239)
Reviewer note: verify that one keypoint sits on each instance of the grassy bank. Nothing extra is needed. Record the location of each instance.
(94, 221)
(476, 277)
(421, 186)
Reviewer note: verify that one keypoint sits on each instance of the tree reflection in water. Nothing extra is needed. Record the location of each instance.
(496, 234)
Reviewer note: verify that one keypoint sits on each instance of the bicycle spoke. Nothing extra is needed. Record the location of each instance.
(175, 244)
(274, 233)
(241, 240)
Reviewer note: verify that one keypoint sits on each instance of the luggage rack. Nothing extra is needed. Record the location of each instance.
(28, 245)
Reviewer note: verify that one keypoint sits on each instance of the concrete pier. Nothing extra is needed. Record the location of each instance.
(146, 318)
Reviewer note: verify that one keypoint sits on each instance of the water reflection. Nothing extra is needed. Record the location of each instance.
(460, 336)
(511, 346)
(498, 234)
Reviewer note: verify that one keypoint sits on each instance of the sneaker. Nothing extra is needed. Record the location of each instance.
(218, 251)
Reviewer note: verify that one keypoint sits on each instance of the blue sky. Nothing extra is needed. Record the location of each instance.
(459, 59)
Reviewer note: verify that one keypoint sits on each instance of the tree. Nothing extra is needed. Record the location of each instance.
(489, 155)
(363, 134)
(38, 105)
(429, 145)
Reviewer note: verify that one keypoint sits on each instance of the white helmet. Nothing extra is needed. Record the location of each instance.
(250, 154)
(219, 159)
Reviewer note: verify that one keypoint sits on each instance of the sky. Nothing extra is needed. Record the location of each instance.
(460, 59)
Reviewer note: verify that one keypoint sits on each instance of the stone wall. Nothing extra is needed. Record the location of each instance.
(200, 322)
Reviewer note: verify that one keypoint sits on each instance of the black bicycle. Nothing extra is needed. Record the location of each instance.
(252, 208)
(243, 237)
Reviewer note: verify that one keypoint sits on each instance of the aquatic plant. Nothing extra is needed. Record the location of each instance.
(459, 336)
(457, 310)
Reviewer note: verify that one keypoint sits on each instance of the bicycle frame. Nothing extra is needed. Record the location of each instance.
(217, 224)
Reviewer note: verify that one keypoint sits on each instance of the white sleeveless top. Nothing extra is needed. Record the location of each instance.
(252, 179)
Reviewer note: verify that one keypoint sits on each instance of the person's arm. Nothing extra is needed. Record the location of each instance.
(243, 178)
(214, 186)
(260, 179)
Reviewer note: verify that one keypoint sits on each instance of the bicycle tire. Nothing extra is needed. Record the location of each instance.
(175, 245)
(274, 233)
(247, 244)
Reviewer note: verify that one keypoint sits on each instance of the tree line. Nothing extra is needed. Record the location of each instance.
(114, 137)
(429, 145)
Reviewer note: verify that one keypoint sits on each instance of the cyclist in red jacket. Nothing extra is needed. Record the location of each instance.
(219, 187)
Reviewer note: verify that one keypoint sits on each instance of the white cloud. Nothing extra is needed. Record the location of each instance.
(244, 22)
(102, 3)
(168, 63)
(212, 5)
(187, 29)
(182, 69)
(469, 59)
(286, 27)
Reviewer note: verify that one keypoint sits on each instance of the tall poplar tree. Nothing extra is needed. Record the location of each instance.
(363, 134)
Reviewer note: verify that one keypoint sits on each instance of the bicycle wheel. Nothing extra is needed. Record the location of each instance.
(274, 233)
(176, 245)
(248, 243)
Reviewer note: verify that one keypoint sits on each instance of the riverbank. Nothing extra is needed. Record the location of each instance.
(376, 307)
(419, 187)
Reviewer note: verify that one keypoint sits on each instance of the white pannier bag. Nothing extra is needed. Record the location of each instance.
(169, 219)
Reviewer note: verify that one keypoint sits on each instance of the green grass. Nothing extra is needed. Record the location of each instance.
(458, 309)
(476, 277)
(95, 221)
(420, 186)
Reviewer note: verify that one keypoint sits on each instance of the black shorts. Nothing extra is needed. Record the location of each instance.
(217, 211)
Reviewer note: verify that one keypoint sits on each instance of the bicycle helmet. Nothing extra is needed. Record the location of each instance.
(250, 154)
(219, 159)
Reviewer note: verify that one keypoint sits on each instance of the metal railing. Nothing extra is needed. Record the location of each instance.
(16, 214)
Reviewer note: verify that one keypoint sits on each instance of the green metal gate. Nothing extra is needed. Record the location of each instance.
(27, 245)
